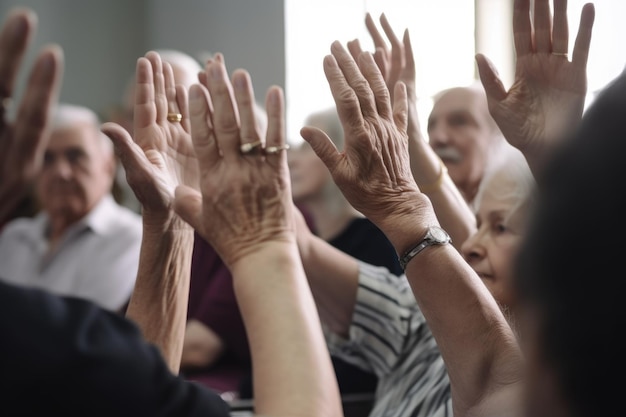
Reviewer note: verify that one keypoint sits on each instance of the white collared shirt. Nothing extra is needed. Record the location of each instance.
(96, 258)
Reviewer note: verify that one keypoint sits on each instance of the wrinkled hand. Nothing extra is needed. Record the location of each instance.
(160, 156)
(245, 199)
(374, 171)
(548, 94)
(22, 142)
(395, 64)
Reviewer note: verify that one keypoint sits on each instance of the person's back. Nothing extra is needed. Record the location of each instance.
(82, 243)
(569, 274)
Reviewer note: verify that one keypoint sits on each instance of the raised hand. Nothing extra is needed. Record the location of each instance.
(395, 64)
(23, 140)
(548, 94)
(160, 156)
(246, 196)
(373, 171)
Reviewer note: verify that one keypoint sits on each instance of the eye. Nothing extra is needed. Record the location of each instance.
(500, 228)
(457, 120)
(48, 159)
(74, 156)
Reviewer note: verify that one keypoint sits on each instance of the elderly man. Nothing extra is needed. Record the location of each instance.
(81, 243)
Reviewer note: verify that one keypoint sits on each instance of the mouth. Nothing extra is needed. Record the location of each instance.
(448, 155)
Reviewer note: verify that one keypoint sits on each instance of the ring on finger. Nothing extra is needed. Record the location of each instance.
(250, 147)
(270, 150)
(174, 117)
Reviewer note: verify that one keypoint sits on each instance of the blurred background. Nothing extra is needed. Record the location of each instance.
(283, 42)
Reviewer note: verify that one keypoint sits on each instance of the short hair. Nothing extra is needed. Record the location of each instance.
(189, 66)
(509, 162)
(68, 115)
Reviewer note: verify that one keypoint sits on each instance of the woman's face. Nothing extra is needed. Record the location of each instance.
(491, 250)
(309, 175)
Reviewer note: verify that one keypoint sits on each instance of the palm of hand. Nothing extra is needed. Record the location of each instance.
(547, 94)
(169, 150)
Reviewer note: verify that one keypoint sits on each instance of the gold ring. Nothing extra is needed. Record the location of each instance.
(247, 148)
(276, 149)
(174, 117)
(563, 54)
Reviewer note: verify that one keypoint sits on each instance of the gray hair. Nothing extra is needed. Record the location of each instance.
(509, 162)
(68, 115)
(328, 121)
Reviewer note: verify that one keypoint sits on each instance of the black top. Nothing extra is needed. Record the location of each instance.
(366, 242)
(66, 356)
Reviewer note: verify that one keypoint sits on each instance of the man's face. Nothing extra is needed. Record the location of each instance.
(460, 131)
(309, 175)
(77, 172)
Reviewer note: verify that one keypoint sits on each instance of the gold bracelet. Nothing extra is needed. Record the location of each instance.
(435, 186)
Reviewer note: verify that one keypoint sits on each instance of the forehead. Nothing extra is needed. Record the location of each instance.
(79, 135)
(459, 100)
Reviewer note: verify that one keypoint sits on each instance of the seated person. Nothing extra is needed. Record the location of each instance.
(74, 345)
(81, 243)
(338, 223)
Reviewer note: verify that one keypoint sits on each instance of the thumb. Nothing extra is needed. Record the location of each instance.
(126, 149)
(321, 144)
(188, 205)
(490, 79)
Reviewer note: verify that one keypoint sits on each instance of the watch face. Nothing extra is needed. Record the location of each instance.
(439, 234)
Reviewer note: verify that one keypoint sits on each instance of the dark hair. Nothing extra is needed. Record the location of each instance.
(571, 268)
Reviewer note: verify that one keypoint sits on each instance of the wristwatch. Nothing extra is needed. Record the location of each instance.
(435, 235)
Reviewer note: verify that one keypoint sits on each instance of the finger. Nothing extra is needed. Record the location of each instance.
(397, 51)
(542, 26)
(275, 108)
(494, 88)
(355, 79)
(381, 61)
(188, 205)
(225, 115)
(347, 103)
(244, 95)
(354, 46)
(130, 154)
(379, 41)
(409, 67)
(182, 101)
(522, 30)
(376, 83)
(170, 92)
(322, 145)
(158, 79)
(35, 111)
(580, 54)
(17, 32)
(145, 112)
(202, 131)
(560, 31)
(400, 106)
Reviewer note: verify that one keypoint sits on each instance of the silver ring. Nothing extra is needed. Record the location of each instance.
(275, 149)
(563, 54)
(248, 148)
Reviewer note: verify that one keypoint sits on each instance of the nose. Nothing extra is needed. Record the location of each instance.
(438, 135)
(473, 249)
(61, 168)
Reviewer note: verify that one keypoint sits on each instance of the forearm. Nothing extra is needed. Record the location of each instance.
(452, 210)
(292, 371)
(461, 312)
(334, 278)
(159, 301)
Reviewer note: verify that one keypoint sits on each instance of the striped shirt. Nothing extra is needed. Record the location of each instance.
(389, 336)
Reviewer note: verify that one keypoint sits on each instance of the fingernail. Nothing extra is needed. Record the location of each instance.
(19, 28)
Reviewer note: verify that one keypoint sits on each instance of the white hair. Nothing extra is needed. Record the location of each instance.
(68, 115)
